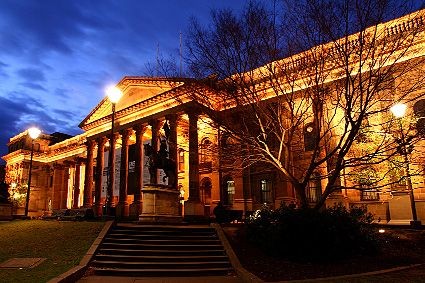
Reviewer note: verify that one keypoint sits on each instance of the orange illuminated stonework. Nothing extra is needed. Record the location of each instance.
(71, 172)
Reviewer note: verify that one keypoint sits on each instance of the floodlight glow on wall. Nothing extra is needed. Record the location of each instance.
(398, 110)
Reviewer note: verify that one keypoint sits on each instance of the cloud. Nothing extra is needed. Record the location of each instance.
(33, 86)
(32, 74)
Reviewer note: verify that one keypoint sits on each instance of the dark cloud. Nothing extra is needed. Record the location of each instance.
(20, 112)
(33, 86)
(69, 115)
(52, 24)
(3, 69)
(32, 74)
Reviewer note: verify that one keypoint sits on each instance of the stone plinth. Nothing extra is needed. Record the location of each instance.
(400, 209)
(160, 204)
(193, 209)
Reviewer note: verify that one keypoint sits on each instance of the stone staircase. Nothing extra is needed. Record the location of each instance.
(161, 250)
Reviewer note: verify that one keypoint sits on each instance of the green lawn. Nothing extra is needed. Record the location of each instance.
(62, 243)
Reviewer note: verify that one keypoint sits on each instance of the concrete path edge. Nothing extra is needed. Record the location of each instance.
(243, 274)
(78, 271)
(355, 275)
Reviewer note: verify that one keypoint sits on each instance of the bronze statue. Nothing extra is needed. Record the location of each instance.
(160, 159)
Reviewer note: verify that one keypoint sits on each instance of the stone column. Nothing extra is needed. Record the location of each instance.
(135, 207)
(111, 171)
(172, 147)
(122, 207)
(99, 171)
(58, 174)
(154, 142)
(76, 185)
(88, 181)
(193, 206)
(64, 187)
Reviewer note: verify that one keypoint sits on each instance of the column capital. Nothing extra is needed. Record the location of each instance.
(193, 113)
(101, 141)
(139, 129)
(126, 132)
(172, 117)
(79, 160)
(90, 143)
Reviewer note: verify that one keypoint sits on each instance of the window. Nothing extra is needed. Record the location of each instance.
(314, 189)
(369, 194)
(36, 147)
(205, 151)
(367, 179)
(228, 190)
(181, 160)
(266, 191)
(419, 109)
(309, 137)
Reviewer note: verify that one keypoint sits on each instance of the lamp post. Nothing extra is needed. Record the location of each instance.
(33, 133)
(399, 111)
(114, 94)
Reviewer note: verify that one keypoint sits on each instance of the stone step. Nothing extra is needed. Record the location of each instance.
(162, 242)
(162, 232)
(159, 258)
(161, 250)
(159, 265)
(210, 252)
(162, 272)
(161, 236)
(137, 246)
(164, 228)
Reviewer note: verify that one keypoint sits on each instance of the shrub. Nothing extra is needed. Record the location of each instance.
(307, 234)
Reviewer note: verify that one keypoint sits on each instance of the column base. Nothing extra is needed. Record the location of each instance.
(135, 210)
(193, 211)
(416, 224)
(97, 209)
(122, 210)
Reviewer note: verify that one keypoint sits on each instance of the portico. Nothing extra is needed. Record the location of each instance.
(139, 123)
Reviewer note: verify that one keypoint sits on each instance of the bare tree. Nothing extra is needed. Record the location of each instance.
(311, 113)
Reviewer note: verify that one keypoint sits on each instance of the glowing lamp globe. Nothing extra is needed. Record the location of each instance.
(34, 132)
(398, 110)
(114, 94)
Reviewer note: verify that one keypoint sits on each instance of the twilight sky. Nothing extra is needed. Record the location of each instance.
(57, 56)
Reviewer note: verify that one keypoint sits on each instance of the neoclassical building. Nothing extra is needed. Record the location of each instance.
(72, 172)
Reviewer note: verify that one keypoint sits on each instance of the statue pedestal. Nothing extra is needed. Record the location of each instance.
(160, 204)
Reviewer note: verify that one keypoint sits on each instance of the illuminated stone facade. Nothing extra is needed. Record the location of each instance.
(72, 173)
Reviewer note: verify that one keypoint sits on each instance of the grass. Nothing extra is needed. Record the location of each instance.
(62, 243)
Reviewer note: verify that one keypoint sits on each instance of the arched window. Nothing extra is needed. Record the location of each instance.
(205, 151)
(314, 189)
(309, 137)
(206, 186)
(36, 147)
(228, 190)
(419, 110)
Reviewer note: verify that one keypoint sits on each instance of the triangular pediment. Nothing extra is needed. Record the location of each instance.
(135, 90)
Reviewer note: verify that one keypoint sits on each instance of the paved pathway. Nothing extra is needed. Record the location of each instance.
(206, 279)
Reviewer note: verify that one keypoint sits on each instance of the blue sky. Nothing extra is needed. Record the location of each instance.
(57, 56)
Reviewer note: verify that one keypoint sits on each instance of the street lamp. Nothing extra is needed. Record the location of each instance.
(399, 110)
(114, 94)
(33, 133)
